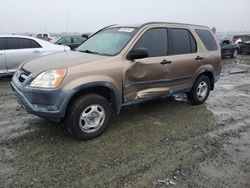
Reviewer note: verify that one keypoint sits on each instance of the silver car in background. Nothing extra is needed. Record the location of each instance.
(16, 49)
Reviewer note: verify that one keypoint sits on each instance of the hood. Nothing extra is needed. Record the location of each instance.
(60, 60)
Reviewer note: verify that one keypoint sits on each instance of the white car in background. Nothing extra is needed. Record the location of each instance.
(44, 36)
(16, 49)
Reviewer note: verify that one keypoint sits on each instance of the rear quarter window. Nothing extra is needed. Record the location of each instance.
(207, 39)
(34, 44)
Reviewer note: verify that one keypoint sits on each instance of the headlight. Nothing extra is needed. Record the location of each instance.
(49, 79)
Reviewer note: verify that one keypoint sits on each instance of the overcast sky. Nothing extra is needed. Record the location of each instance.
(83, 16)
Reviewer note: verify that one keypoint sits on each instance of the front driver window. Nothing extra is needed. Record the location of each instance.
(155, 41)
(65, 40)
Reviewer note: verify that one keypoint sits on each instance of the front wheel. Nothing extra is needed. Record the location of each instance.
(200, 91)
(88, 116)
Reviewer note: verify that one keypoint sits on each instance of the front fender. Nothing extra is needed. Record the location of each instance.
(116, 97)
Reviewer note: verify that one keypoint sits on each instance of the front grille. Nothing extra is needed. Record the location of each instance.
(23, 75)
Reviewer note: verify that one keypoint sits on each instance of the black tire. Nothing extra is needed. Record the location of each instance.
(193, 96)
(75, 112)
(235, 53)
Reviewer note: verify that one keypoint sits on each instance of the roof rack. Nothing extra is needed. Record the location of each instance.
(149, 23)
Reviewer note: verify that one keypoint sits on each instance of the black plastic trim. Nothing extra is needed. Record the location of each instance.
(146, 99)
(136, 85)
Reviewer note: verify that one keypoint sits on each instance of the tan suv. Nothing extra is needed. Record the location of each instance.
(116, 67)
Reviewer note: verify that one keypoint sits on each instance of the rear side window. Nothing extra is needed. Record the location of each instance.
(207, 39)
(24, 43)
(182, 42)
(20, 43)
(12, 43)
(34, 44)
(1, 44)
(155, 41)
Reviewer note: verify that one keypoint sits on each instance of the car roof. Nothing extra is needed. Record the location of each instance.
(157, 23)
(25, 37)
(17, 36)
(43, 43)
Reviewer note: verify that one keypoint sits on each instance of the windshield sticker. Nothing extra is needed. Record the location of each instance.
(128, 30)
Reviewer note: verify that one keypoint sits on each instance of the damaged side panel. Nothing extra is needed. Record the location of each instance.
(149, 78)
(139, 77)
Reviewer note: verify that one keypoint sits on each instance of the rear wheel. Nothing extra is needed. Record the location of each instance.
(235, 53)
(88, 116)
(200, 91)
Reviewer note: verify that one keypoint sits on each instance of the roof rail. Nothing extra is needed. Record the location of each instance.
(149, 23)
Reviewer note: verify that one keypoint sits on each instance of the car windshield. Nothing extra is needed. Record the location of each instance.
(108, 42)
(55, 40)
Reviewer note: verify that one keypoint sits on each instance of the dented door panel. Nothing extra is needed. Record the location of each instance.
(149, 78)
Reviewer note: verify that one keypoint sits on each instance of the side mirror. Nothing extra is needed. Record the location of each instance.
(85, 36)
(59, 43)
(137, 53)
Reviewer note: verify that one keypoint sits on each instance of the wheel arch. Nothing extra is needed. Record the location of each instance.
(105, 89)
(209, 73)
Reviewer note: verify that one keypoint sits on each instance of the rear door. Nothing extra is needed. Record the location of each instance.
(19, 50)
(2, 57)
(185, 58)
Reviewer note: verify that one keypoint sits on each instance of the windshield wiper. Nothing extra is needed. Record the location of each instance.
(88, 51)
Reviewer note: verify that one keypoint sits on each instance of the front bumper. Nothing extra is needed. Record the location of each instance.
(46, 103)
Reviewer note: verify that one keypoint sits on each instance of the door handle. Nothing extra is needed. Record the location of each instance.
(36, 51)
(164, 62)
(199, 58)
(1, 53)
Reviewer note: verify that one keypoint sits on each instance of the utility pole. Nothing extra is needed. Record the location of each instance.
(67, 21)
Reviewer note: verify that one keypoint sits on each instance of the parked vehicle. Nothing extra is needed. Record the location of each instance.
(119, 66)
(245, 47)
(44, 36)
(240, 38)
(229, 49)
(72, 41)
(16, 49)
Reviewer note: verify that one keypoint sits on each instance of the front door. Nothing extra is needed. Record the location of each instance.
(227, 49)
